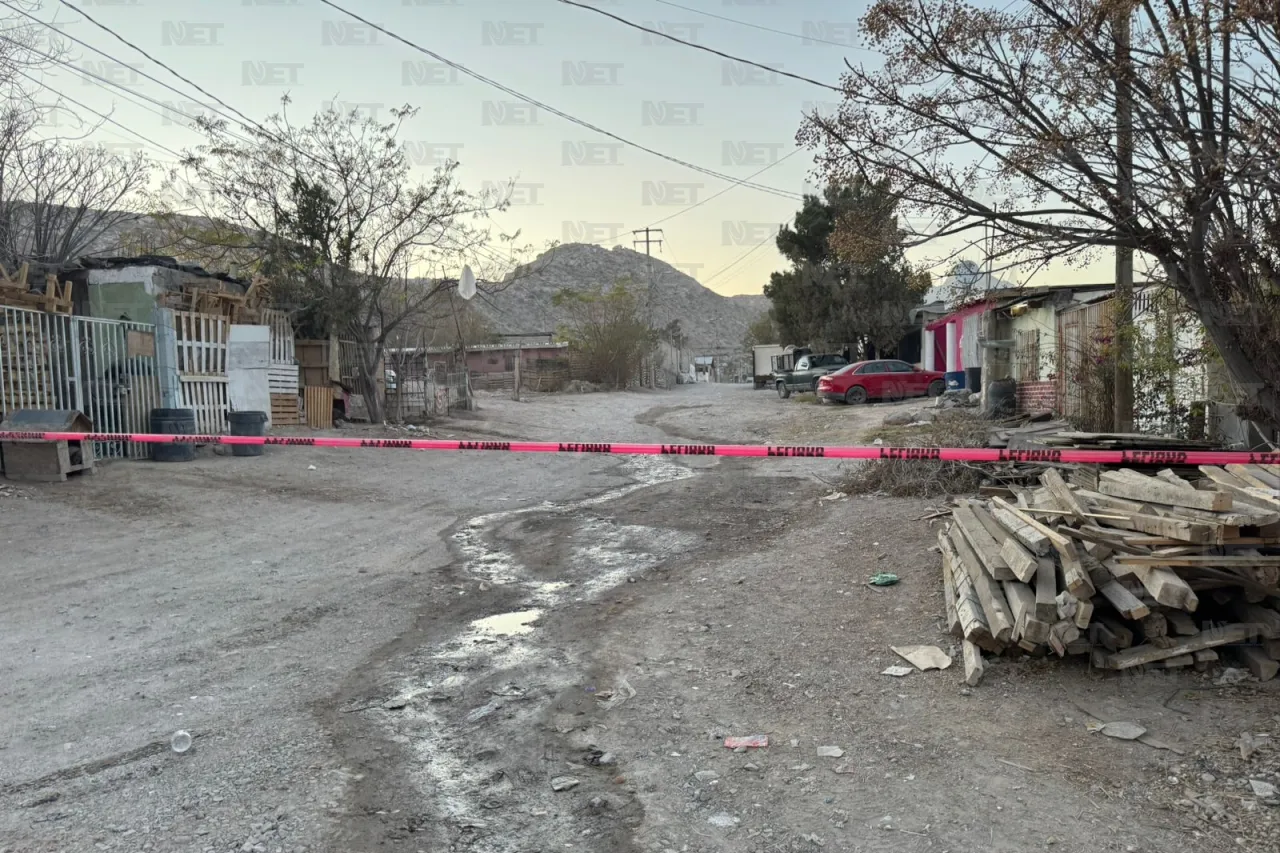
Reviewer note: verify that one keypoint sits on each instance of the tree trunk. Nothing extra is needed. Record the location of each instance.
(369, 384)
(1236, 337)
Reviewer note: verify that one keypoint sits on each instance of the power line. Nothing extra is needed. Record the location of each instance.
(715, 196)
(102, 116)
(764, 28)
(701, 47)
(554, 111)
(135, 47)
(739, 259)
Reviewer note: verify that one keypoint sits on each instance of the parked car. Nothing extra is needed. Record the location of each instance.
(884, 379)
(806, 372)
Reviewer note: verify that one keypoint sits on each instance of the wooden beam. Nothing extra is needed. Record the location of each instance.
(1034, 540)
(1073, 572)
(1063, 495)
(1199, 560)
(973, 622)
(1126, 603)
(1021, 562)
(1046, 532)
(980, 540)
(1140, 655)
(973, 668)
(1022, 606)
(1262, 667)
(1181, 623)
(994, 607)
(1151, 490)
(949, 594)
(1160, 583)
(1046, 589)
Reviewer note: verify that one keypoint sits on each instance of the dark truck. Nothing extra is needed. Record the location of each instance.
(805, 373)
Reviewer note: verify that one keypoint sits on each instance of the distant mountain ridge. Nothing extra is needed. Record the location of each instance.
(713, 324)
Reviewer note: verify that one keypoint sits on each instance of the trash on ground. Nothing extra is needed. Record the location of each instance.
(751, 742)
(1120, 731)
(923, 658)
(1263, 790)
(830, 752)
(883, 579)
(723, 820)
(898, 671)
(610, 699)
(564, 783)
(311, 467)
(180, 742)
(1231, 675)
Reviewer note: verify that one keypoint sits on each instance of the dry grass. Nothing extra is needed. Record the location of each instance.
(902, 478)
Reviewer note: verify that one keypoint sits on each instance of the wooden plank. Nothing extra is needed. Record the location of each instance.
(1239, 489)
(1021, 562)
(1126, 603)
(1151, 490)
(1057, 539)
(1266, 619)
(994, 607)
(1101, 635)
(1063, 495)
(949, 594)
(1172, 528)
(1179, 661)
(973, 668)
(982, 543)
(1022, 605)
(1200, 560)
(1046, 589)
(1031, 538)
(1145, 654)
(973, 622)
(1084, 614)
(1074, 575)
(1271, 648)
(1121, 631)
(1262, 667)
(1161, 584)
(1181, 623)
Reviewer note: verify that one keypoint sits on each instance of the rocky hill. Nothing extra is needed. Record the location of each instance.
(713, 324)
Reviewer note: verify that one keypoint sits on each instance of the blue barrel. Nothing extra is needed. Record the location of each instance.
(173, 422)
(247, 423)
(954, 379)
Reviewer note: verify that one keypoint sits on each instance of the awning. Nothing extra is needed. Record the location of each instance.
(969, 311)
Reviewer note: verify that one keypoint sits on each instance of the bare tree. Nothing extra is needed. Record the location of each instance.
(59, 201)
(1007, 120)
(329, 211)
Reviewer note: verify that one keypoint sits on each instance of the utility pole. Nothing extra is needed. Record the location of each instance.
(648, 241)
(1123, 337)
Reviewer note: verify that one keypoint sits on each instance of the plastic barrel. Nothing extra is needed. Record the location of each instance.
(1002, 397)
(973, 379)
(247, 423)
(173, 422)
(954, 380)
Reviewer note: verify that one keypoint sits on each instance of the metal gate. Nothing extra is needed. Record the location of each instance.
(103, 368)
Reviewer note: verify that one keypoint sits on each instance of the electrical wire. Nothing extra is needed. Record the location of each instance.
(102, 116)
(739, 259)
(764, 28)
(701, 47)
(550, 109)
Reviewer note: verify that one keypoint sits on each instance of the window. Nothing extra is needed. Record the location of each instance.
(900, 367)
(1026, 354)
(802, 364)
(872, 367)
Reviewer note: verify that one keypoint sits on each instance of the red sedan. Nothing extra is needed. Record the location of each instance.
(886, 379)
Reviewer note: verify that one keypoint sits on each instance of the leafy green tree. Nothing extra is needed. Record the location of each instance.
(849, 281)
(762, 330)
(607, 327)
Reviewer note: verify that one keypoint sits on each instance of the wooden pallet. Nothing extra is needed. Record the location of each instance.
(284, 410)
(319, 402)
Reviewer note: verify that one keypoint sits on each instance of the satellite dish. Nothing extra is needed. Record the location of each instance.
(967, 273)
(467, 283)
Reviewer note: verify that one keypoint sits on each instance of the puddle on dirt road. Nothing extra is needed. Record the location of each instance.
(507, 624)
(602, 555)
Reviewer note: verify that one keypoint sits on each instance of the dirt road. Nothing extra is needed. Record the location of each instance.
(399, 651)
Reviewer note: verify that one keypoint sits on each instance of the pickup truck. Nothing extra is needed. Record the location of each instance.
(806, 372)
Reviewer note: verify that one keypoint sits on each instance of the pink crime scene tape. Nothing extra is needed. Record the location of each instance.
(928, 454)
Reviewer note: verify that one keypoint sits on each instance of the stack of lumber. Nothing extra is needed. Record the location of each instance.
(16, 292)
(1144, 569)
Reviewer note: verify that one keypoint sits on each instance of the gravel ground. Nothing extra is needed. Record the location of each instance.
(401, 651)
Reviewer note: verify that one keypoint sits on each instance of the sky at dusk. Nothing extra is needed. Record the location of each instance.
(573, 184)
